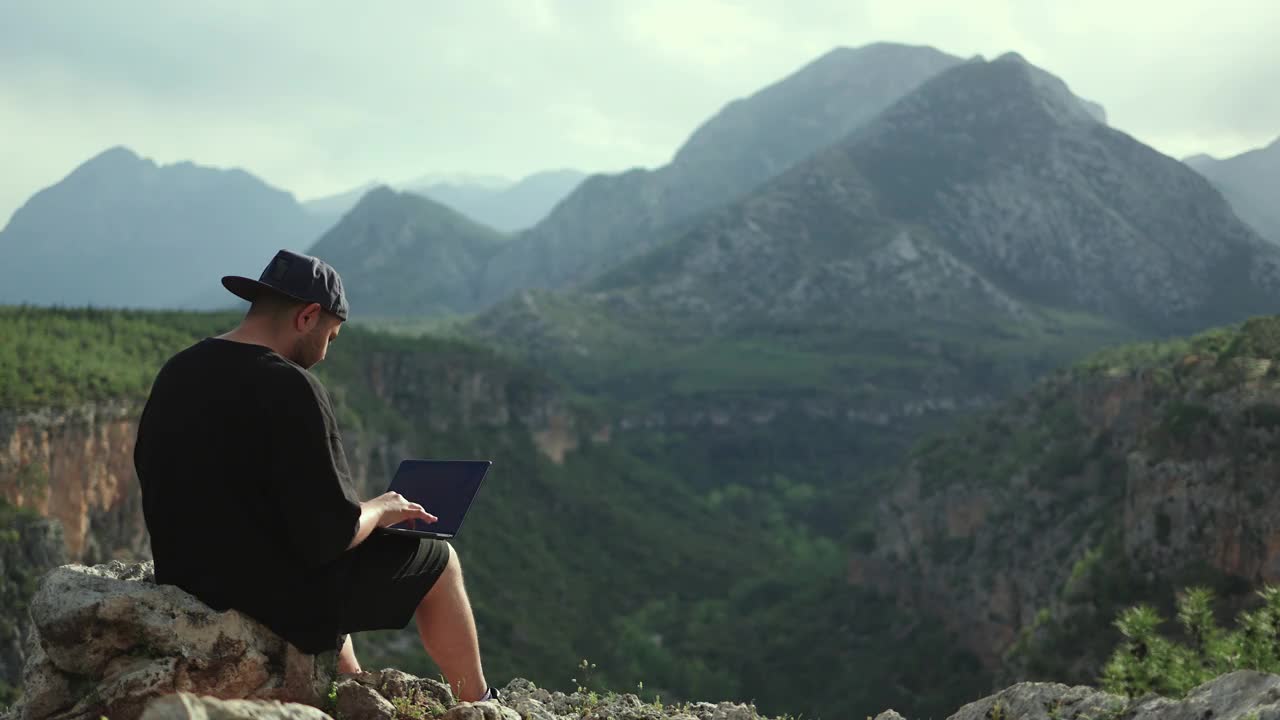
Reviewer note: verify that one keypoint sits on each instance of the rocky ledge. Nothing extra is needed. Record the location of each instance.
(109, 642)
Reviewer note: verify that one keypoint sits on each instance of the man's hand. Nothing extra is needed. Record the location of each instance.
(384, 510)
(393, 508)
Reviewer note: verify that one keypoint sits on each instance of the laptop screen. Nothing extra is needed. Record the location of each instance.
(444, 487)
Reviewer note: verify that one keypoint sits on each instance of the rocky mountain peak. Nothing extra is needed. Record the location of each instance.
(1007, 96)
(611, 218)
(114, 159)
(1013, 57)
(833, 95)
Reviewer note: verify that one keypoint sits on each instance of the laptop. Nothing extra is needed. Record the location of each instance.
(444, 487)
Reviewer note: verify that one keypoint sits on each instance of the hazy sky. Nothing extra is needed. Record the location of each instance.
(316, 97)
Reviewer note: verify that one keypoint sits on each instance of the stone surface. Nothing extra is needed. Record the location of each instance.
(1043, 701)
(185, 706)
(1237, 696)
(480, 711)
(108, 640)
(534, 703)
(1242, 695)
(361, 702)
(392, 683)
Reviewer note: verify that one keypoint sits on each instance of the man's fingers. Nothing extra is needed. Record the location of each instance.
(421, 513)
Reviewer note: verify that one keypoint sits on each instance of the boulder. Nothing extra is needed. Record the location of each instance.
(488, 710)
(533, 703)
(107, 640)
(185, 706)
(1236, 696)
(358, 701)
(1241, 695)
(1043, 701)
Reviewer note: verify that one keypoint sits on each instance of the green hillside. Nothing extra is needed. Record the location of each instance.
(715, 561)
(604, 557)
(1136, 472)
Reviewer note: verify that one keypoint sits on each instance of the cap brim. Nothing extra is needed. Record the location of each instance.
(243, 287)
(247, 289)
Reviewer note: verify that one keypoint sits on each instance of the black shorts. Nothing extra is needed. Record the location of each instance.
(389, 576)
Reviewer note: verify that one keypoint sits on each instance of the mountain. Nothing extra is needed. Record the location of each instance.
(122, 231)
(509, 207)
(1249, 182)
(330, 208)
(493, 201)
(611, 217)
(402, 254)
(981, 230)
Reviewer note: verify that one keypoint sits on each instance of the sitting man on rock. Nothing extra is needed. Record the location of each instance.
(249, 501)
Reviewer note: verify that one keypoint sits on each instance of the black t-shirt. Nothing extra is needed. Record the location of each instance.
(246, 490)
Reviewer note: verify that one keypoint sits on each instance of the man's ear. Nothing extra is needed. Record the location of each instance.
(307, 318)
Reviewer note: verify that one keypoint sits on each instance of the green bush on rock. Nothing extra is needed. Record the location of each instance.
(1145, 662)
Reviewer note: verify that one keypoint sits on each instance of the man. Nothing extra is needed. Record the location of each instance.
(248, 498)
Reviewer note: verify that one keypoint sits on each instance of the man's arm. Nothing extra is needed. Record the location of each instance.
(386, 509)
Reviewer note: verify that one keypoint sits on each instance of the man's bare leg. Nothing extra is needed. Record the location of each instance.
(347, 663)
(448, 632)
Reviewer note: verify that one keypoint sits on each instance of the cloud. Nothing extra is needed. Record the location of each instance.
(316, 98)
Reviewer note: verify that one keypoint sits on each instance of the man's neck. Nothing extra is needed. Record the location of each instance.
(251, 335)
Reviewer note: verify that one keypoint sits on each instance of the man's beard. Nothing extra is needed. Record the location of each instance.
(308, 349)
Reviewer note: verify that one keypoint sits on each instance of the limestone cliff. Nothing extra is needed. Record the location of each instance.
(29, 545)
(1116, 482)
(75, 466)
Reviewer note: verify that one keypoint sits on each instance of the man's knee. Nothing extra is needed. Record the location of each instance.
(451, 574)
(454, 565)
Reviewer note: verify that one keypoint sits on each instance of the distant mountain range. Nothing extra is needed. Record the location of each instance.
(613, 217)
(497, 202)
(119, 218)
(980, 230)
(1251, 183)
(610, 218)
(122, 231)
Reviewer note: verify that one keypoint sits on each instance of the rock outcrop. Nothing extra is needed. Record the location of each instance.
(108, 641)
(185, 706)
(1243, 695)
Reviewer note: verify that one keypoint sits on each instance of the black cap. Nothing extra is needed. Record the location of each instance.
(301, 277)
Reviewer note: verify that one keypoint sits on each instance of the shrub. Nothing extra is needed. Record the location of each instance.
(1182, 419)
(1264, 415)
(1145, 662)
